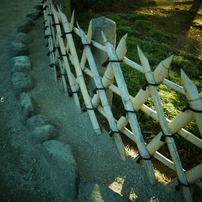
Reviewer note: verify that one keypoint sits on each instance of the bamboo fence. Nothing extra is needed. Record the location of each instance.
(59, 31)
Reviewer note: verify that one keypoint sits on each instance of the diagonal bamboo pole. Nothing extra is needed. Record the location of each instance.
(89, 37)
(190, 137)
(109, 74)
(80, 78)
(172, 124)
(102, 95)
(192, 175)
(132, 116)
(164, 125)
(193, 98)
(176, 127)
(159, 74)
(70, 76)
(136, 66)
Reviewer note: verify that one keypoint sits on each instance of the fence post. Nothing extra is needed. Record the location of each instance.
(109, 28)
(65, 6)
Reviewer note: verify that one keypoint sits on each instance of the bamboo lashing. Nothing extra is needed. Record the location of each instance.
(109, 74)
(89, 37)
(176, 125)
(80, 78)
(70, 76)
(159, 74)
(51, 44)
(57, 58)
(153, 114)
(193, 98)
(102, 93)
(132, 116)
(169, 140)
(135, 65)
(192, 176)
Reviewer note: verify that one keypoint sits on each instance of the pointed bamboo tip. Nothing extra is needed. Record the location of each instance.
(167, 62)
(91, 23)
(78, 25)
(141, 54)
(73, 13)
(72, 17)
(125, 36)
(184, 77)
(103, 36)
(189, 87)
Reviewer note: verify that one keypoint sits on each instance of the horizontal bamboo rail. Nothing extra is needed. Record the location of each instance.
(131, 104)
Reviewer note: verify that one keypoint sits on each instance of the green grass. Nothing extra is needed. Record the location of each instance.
(155, 45)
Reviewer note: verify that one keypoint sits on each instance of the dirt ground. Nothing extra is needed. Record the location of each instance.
(183, 18)
(22, 175)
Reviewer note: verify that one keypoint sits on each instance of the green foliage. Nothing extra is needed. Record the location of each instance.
(143, 25)
(137, 17)
(82, 5)
(160, 36)
(155, 45)
(190, 69)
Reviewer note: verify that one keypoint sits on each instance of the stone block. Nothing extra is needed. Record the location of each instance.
(63, 169)
(29, 106)
(38, 7)
(18, 48)
(36, 121)
(42, 133)
(24, 38)
(26, 25)
(34, 14)
(21, 83)
(20, 64)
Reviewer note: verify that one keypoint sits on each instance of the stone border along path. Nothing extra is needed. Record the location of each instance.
(80, 164)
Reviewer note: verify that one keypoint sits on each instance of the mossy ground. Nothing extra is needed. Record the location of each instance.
(158, 42)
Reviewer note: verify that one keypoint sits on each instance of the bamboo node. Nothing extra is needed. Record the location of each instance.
(61, 56)
(108, 61)
(95, 90)
(45, 28)
(126, 111)
(112, 132)
(72, 92)
(47, 36)
(60, 74)
(54, 48)
(164, 65)
(44, 22)
(163, 137)
(63, 35)
(85, 109)
(54, 24)
(85, 44)
(144, 87)
(139, 158)
(45, 9)
(52, 65)
(181, 184)
(193, 110)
